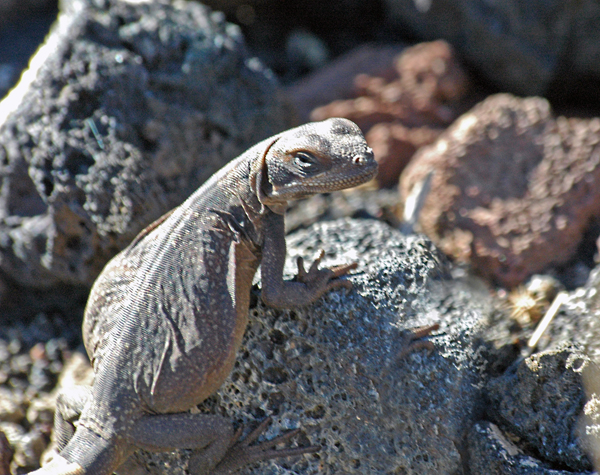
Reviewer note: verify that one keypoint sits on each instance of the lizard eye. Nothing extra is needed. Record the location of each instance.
(304, 160)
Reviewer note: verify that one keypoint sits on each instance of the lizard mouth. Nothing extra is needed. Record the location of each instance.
(345, 180)
(325, 184)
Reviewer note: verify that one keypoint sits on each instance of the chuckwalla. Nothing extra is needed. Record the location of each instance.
(166, 316)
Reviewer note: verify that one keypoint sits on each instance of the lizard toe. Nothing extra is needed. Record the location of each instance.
(241, 453)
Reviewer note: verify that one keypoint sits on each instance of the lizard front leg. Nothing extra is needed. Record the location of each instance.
(308, 285)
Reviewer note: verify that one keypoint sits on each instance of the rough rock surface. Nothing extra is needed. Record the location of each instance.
(430, 80)
(544, 403)
(522, 47)
(131, 108)
(337, 79)
(514, 189)
(492, 453)
(333, 370)
(546, 408)
(540, 400)
(394, 145)
(577, 320)
(401, 114)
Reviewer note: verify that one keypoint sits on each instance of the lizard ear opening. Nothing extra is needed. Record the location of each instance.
(260, 184)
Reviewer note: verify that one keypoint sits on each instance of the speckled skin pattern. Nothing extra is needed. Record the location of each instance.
(166, 316)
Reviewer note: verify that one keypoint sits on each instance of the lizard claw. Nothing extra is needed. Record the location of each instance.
(413, 340)
(327, 278)
(314, 268)
(241, 453)
(343, 269)
(315, 265)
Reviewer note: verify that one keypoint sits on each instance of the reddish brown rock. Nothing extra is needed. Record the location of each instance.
(514, 189)
(394, 144)
(426, 95)
(430, 82)
(336, 80)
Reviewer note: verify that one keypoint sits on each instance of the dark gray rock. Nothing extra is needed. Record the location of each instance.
(521, 47)
(126, 110)
(548, 405)
(333, 370)
(492, 453)
(355, 203)
(541, 400)
(577, 320)
(272, 29)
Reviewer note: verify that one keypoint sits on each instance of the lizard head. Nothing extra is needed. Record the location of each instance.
(316, 158)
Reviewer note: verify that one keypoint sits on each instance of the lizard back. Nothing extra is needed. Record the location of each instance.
(173, 305)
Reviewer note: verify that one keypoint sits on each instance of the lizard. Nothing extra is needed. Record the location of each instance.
(166, 316)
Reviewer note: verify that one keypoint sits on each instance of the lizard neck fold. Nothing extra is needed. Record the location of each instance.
(260, 185)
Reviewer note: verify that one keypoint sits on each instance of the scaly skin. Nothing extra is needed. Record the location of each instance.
(166, 316)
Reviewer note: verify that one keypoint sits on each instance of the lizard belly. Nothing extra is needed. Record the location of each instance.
(200, 337)
(184, 381)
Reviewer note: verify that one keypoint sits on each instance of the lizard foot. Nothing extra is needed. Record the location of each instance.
(414, 342)
(327, 278)
(241, 453)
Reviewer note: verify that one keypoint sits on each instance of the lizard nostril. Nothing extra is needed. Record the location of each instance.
(363, 158)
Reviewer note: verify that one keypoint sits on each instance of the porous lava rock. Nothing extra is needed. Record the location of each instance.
(394, 145)
(336, 80)
(577, 321)
(541, 400)
(514, 188)
(491, 452)
(429, 80)
(334, 370)
(400, 115)
(127, 108)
